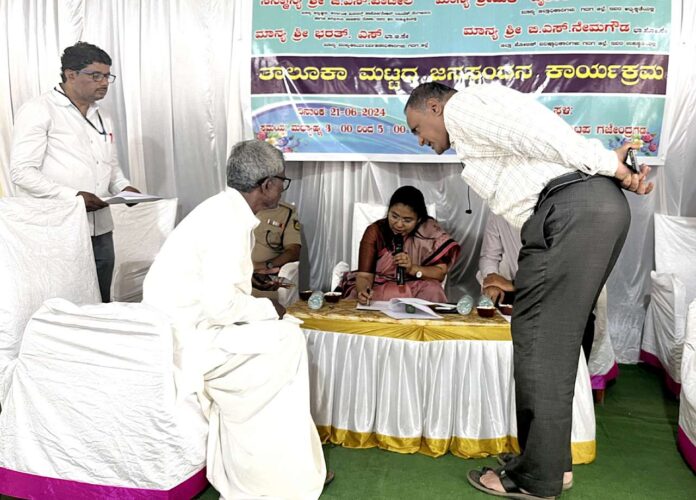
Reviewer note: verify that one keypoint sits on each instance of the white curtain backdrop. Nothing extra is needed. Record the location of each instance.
(179, 105)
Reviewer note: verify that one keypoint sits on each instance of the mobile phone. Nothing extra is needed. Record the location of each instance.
(631, 161)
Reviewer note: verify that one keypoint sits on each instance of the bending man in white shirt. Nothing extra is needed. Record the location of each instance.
(63, 146)
(564, 192)
(248, 366)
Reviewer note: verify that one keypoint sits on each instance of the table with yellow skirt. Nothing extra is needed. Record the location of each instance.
(426, 386)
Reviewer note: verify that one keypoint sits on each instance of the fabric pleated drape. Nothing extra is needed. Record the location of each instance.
(429, 397)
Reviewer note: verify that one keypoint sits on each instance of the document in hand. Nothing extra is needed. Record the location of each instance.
(399, 308)
(131, 197)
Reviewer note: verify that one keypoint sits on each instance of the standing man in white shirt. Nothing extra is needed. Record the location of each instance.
(564, 192)
(248, 365)
(64, 146)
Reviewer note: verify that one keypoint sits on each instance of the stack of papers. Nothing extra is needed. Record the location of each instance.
(131, 197)
(397, 308)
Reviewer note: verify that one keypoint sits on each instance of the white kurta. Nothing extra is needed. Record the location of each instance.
(249, 369)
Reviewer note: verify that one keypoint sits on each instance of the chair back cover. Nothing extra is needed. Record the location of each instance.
(687, 402)
(288, 296)
(602, 357)
(139, 233)
(45, 252)
(675, 249)
(665, 322)
(93, 401)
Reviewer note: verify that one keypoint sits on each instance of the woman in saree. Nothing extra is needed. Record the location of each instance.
(427, 254)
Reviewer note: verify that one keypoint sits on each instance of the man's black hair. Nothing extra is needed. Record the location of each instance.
(425, 91)
(81, 55)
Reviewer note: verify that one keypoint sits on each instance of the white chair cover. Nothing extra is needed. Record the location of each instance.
(675, 249)
(673, 287)
(139, 233)
(686, 436)
(45, 252)
(337, 274)
(602, 363)
(665, 322)
(92, 407)
(288, 296)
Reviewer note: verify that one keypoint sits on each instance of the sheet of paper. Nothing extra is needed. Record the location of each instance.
(131, 197)
(415, 315)
(417, 302)
(396, 308)
(422, 307)
(377, 305)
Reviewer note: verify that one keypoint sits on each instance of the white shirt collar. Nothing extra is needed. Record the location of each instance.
(61, 99)
(245, 211)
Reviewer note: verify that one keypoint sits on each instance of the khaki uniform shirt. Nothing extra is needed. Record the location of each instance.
(279, 228)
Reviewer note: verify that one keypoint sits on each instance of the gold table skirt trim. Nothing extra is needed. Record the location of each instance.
(582, 452)
(343, 317)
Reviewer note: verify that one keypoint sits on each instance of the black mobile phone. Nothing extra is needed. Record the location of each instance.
(631, 161)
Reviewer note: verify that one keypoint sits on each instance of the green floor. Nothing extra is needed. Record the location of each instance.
(637, 457)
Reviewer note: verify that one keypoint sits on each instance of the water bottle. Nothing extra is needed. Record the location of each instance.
(465, 305)
(316, 300)
(485, 301)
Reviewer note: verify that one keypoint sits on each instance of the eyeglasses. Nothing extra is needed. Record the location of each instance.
(98, 76)
(286, 181)
(395, 218)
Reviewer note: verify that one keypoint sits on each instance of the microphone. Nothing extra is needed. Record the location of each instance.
(468, 194)
(398, 248)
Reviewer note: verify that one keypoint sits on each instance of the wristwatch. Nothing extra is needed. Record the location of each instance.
(419, 274)
(269, 264)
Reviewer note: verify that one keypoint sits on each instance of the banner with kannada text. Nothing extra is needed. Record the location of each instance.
(330, 78)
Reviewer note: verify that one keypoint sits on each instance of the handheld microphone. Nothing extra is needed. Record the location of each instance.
(398, 248)
(468, 198)
(468, 193)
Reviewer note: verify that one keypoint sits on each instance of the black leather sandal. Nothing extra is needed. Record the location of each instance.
(511, 489)
(504, 458)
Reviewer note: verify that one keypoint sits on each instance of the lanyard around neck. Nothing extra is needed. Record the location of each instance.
(101, 123)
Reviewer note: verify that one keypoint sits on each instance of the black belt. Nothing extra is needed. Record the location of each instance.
(558, 183)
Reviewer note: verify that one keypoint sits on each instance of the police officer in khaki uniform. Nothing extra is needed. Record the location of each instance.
(277, 243)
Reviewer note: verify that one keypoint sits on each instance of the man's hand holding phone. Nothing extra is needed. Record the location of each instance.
(632, 177)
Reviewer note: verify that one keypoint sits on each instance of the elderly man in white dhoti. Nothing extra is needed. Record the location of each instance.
(248, 365)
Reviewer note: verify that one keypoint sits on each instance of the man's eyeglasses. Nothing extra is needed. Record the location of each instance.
(98, 76)
(286, 181)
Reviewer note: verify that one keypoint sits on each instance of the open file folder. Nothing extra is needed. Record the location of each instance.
(131, 197)
(399, 308)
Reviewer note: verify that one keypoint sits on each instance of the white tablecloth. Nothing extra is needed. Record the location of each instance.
(426, 396)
